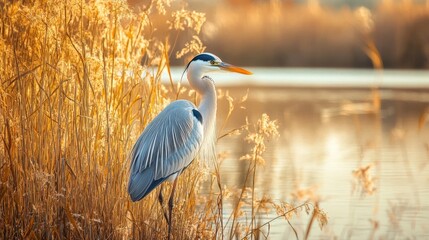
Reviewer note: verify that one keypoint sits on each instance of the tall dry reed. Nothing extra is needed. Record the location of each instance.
(79, 81)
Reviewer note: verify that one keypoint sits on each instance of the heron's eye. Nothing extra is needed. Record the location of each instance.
(213, 62)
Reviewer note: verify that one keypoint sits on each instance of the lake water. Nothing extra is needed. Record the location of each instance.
(330, 125)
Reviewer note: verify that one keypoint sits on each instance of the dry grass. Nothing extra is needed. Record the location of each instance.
(79, 82)
(77, 87)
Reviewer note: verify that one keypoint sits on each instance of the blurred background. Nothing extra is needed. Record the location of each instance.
(311, 33)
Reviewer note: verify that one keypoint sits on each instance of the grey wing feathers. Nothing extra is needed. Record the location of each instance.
(168, 144)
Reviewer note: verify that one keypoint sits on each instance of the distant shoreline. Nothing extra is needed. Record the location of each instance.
(317, 77)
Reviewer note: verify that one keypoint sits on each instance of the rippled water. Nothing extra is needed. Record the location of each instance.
(326, 134)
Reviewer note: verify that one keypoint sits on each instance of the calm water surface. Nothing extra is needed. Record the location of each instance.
(325, 134)
(328, 128)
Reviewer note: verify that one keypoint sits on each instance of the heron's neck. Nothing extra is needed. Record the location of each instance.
(208, 105)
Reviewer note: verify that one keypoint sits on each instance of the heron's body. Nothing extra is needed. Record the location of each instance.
(179, 133)
(168, 145)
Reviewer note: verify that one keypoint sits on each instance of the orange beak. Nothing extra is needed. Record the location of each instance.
(232, 68)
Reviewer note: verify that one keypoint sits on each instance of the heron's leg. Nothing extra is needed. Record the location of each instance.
(170, 206)
(161, 202)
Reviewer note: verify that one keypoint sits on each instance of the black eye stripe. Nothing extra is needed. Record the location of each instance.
(197, 115)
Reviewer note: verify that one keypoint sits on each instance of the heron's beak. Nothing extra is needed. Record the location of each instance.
(232, 68)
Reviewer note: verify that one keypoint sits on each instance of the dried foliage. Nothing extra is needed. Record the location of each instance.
(363, 181)
(79, 82)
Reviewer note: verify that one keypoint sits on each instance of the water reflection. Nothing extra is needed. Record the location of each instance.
(320, 152)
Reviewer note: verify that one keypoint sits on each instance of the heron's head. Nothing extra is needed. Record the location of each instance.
(208, 62)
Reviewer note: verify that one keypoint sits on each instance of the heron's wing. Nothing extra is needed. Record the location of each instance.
(167, 145)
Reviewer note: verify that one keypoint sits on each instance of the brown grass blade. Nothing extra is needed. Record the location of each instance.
(423, 119)
(72, 220)
(29, 228)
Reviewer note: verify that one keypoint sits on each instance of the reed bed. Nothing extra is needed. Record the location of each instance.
(79, 82)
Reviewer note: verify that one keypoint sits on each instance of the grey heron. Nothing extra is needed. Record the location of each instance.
(174, 138)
